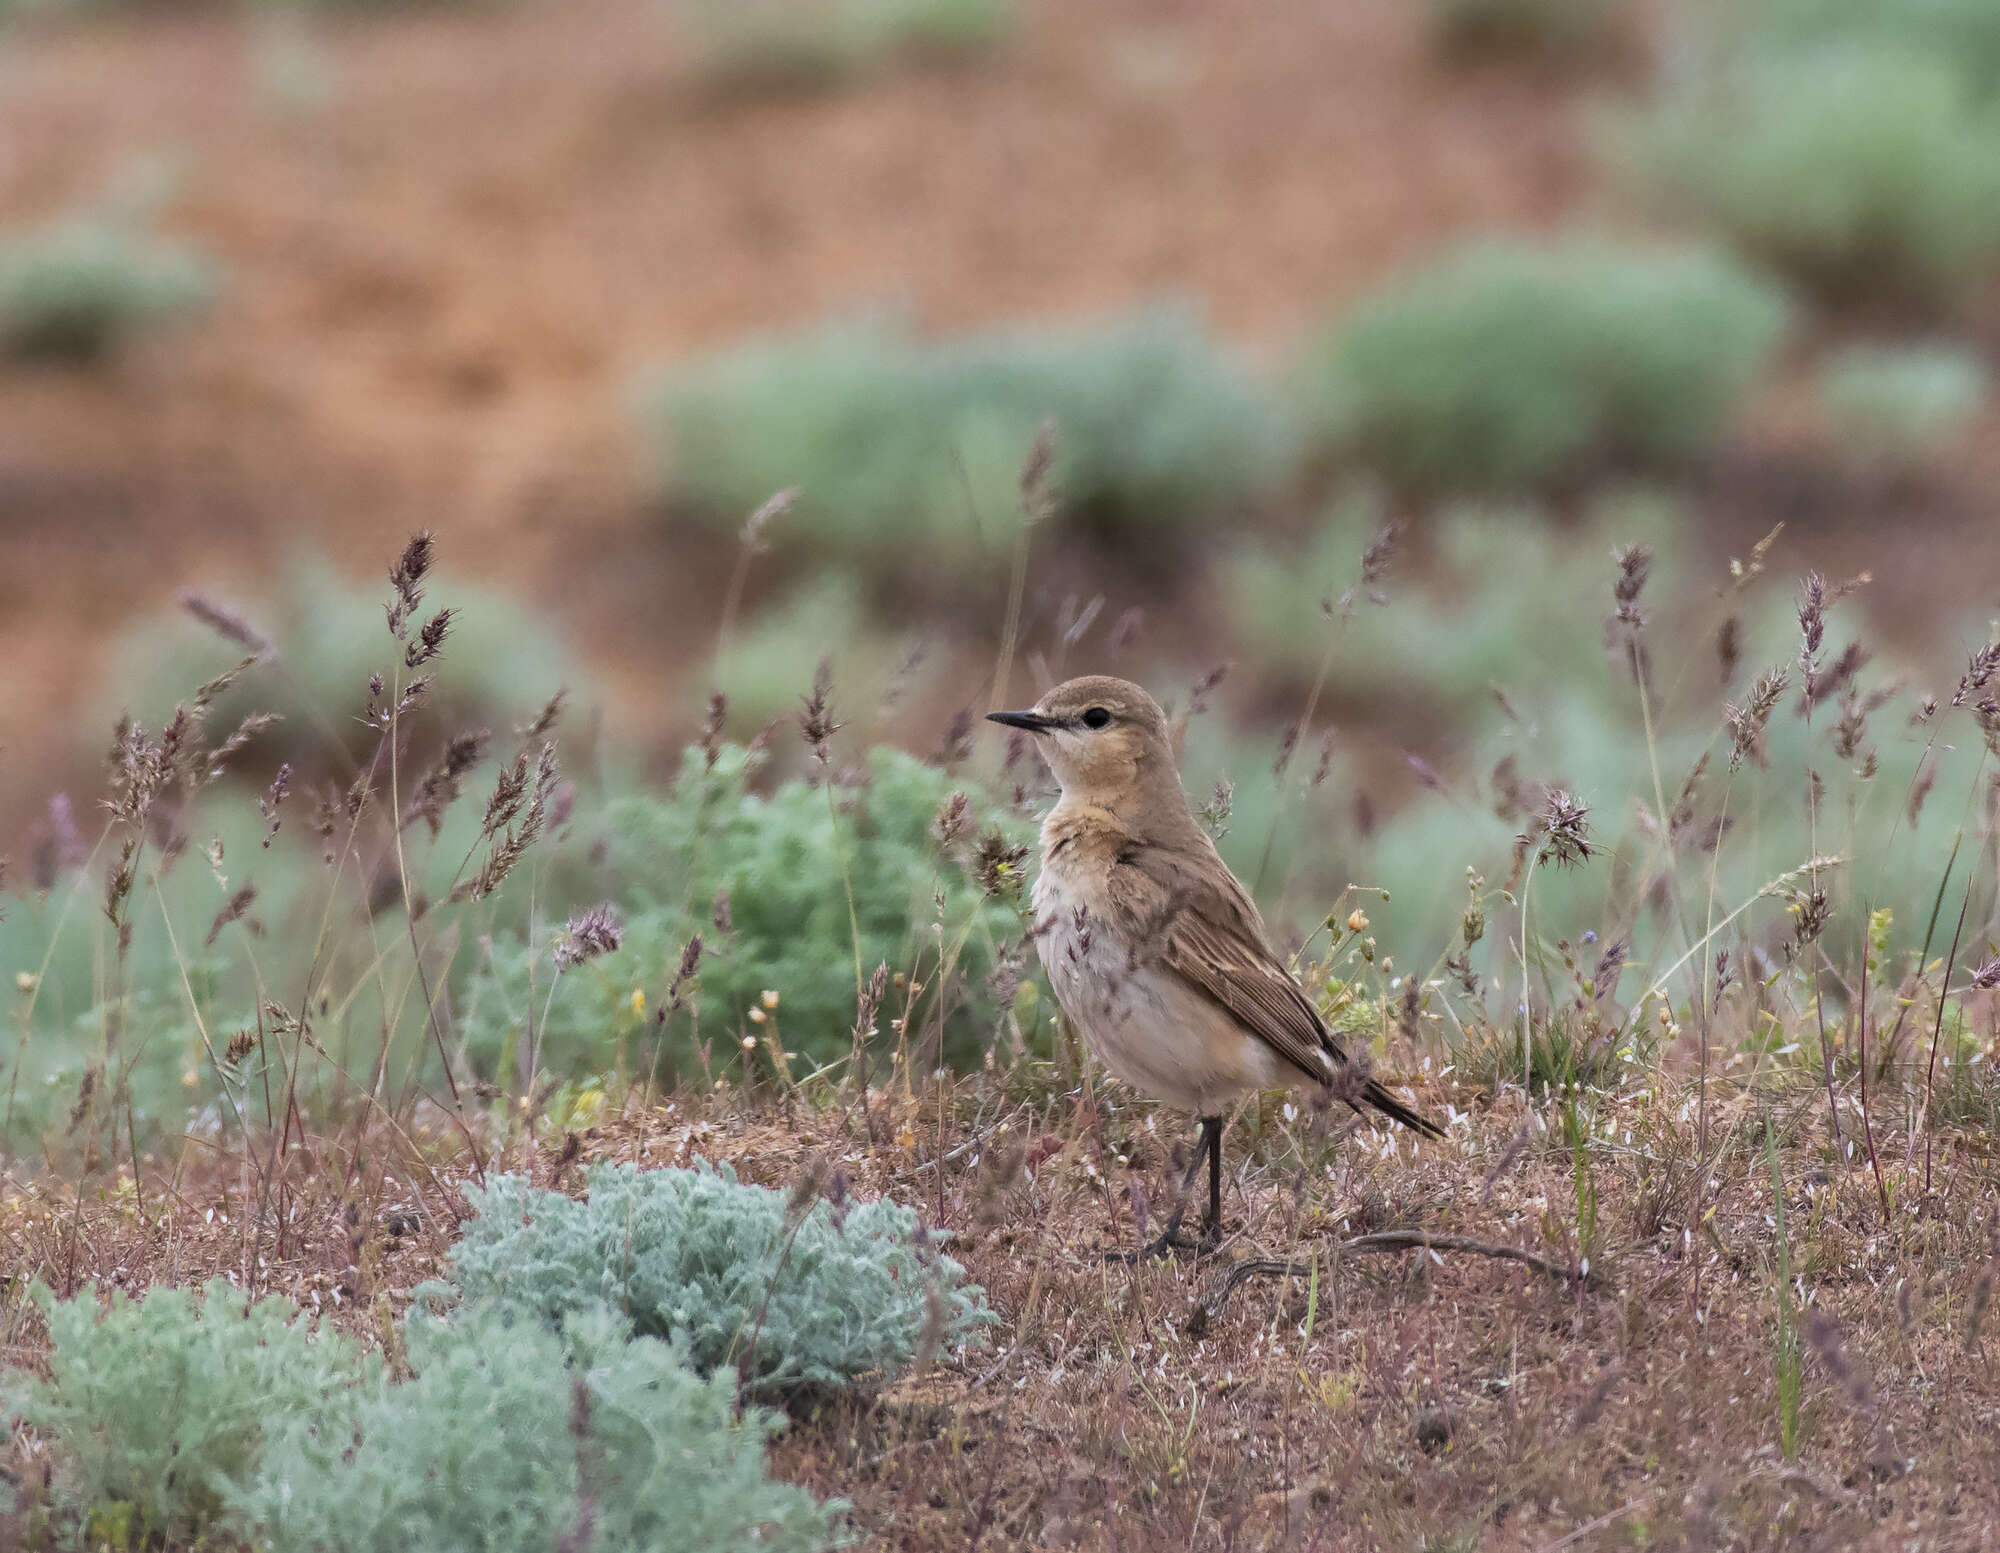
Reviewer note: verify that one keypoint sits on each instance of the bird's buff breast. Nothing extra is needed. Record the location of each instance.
(1151, 1029)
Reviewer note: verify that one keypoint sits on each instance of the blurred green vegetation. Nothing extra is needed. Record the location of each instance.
(793, 45)
(764, 663)
(1897, 407)
(320, 637)
(74, 289)
(1507, 676)
(1862, 166)
(1480, 617)
(1562, 29)
(1962, 33)
(905, 447)
(1512, 365)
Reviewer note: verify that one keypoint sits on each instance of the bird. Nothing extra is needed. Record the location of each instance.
(1154, 949)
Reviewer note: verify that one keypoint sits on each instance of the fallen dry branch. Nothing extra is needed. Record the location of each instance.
(1381, 1240)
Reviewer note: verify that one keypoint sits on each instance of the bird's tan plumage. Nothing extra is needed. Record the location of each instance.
(1156, 952)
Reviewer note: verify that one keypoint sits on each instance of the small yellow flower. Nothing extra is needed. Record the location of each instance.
(757, 1016)
(1357, 921)
(770, 998)
(906, 1139)
(749, 1043)
(638, 1000)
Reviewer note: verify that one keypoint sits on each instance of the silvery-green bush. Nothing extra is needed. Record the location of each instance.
(1559, 28)
(158, 1411)
(1966, 33)
(511, 1438)
(73, 289)
(1510, 365)
(1855, 165)
(738, 1276)
(779, 45)
(1900, 404)
(896, 440)
(785, 865)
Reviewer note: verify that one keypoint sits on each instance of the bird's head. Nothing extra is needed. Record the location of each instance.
(1104, 738)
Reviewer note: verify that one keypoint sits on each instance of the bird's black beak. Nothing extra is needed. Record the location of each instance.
(1034, 722)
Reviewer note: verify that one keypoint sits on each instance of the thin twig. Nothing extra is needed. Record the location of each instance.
(1381, 1240)
(1590, 1528)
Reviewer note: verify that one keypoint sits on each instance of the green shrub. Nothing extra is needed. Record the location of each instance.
(1857, 167)
(1964, 33)
(1519, 604)
(510, 1439)
(1901, 404)
(1480, 617)
(141, 1013)
(780, 45)
(1508, 365)
(75, 288)
(779, 860)
(325, 639)
(762, 667)
(792, 1295)
(903, 446)
(158, 1411)
(1561, 28)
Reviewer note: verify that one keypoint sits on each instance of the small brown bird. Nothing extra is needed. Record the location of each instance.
(1153, 946)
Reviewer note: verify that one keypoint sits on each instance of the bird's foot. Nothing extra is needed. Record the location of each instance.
(1165, 1245)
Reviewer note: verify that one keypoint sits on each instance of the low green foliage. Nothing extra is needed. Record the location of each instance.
(783, 862)
(762, 666)
(904, 446)
(788, 1292)
(509, 1437)
(1901, 404)
(1965, 33)
(1856, 165)
(1447, 642)
(321, 634)
(783, 45)
(1508, 365)
(158, 1411)
(1559, 28)
(74, 289)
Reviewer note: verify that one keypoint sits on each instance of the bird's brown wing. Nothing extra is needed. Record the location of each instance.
(1207, 933)
(1202, 927)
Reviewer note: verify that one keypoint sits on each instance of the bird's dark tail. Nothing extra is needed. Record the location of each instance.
(1374, 1094)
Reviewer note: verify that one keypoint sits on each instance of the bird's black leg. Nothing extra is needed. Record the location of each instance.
(1211, 1137)
(1210, 1144)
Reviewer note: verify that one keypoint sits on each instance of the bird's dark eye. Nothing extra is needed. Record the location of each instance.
(1096, 717)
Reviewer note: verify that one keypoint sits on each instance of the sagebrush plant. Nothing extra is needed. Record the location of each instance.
(1563, 29)
(1448, 639)
(896, 441)
(1963, 33)
(784, 45)
(163, 1011)
(509, 1438)
(159, 1410)
(785, 1289)
(774, 864)
(316, 635)
(757, 666)
(1508, 365)
(1901, 404)
(1860, 167)
(75, 288)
